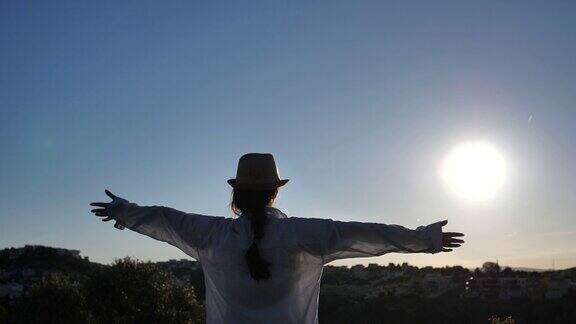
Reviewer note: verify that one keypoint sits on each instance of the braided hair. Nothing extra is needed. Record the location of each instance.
(254, 203)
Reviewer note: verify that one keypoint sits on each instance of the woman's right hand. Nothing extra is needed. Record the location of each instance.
(106, 208)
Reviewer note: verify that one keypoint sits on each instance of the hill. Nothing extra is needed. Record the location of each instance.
(401, 293)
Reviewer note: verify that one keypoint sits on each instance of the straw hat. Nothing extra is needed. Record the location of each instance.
(257, 171)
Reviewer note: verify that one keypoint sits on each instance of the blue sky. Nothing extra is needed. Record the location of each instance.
(359, 102)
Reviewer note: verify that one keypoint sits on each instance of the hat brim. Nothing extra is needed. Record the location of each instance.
(257, 186)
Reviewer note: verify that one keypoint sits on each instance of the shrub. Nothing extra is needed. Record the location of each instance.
(57, 299)
(129, 291)
(498, 320)
(136, 292)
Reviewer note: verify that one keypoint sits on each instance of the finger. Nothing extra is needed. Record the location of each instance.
(102, 214)
(99, 204)
(107, 219)
(453, 234)
(98, 210)
(453, 240)
(451, 245)
(446, 250)
(111, 195)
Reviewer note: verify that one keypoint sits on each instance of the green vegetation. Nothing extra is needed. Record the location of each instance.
(136, 292)
(126, 292)
(55, 300)
(59, 286)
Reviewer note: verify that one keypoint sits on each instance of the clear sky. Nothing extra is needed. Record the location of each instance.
(359, 101)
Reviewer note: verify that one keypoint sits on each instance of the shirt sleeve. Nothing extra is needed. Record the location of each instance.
(341, 240)
(186, 231)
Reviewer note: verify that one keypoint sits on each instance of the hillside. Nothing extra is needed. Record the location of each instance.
(402, 292)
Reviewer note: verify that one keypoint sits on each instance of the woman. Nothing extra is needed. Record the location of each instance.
(263, 266)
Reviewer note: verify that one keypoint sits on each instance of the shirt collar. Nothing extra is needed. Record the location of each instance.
(271, 212)
(275, 213)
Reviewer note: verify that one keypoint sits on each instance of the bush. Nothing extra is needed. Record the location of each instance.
(498, 320)
(135, 292)
(3, 314)
(129, 291)
(56, 300)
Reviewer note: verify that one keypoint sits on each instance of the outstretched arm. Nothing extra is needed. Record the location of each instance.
(340, 240)
(186, 231)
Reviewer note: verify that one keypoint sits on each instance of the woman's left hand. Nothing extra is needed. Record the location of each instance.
(450, 241)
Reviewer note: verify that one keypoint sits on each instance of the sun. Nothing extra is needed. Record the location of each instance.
(474, 170)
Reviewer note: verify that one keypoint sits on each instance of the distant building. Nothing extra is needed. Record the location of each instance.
(514, 287)
(358, 271)
(59, 251)
(11, 290)
(183, 264)
(14, 253)
(557, 288)
(435, 284)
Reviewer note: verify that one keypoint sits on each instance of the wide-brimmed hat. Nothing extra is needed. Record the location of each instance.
(257, 171)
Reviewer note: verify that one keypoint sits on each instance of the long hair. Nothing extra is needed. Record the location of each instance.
(254, 203)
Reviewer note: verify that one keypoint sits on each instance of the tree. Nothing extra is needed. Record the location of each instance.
(507, 271)
(498, 320)
(57, 299)
(3, 314)
(130, 291)
(491, 268)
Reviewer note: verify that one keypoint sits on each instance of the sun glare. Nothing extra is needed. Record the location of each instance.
(474, 171)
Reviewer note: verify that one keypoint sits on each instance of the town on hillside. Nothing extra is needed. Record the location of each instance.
(363, 289)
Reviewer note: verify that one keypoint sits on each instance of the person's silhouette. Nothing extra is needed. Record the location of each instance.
(263, 266)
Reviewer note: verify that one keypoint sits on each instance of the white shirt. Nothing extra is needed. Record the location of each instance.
(298, 248)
